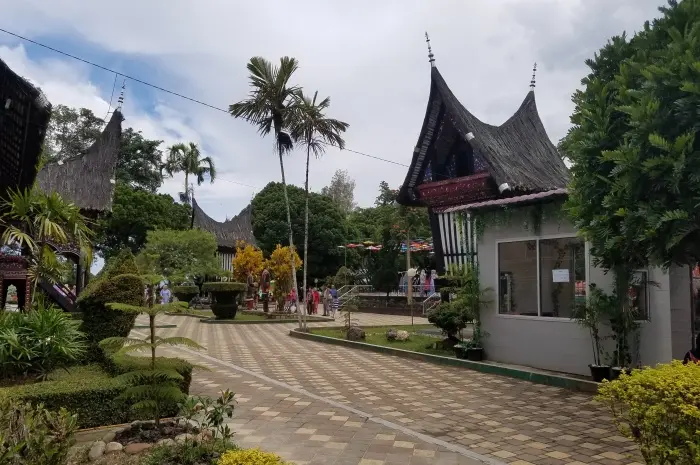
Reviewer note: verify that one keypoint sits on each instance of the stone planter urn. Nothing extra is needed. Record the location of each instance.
(224, 302)
(185, 293)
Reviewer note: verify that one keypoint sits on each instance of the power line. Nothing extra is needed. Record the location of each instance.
(162, 89)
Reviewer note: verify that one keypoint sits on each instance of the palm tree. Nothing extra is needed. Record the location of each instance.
(33, 221)
(270, 107)
(186, 158)
(315, 131)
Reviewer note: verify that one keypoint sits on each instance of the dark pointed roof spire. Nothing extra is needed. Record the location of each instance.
(431, 57)
(532, 81)
(120, 101)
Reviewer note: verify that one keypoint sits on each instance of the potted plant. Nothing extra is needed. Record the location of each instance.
(224, 298)
(590, 315)
(185, 293)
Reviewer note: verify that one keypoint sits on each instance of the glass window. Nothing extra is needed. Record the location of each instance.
(560, 265)
(562, 271)
(517, 271)
(639, 295)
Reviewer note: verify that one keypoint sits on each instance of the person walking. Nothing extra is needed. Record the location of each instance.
(165, 295)
(326, 301)
(422, 282)
(693, 355)
(335, 301)
(433, 277)
(316, 299)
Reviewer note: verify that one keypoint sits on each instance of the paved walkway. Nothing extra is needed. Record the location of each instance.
(315, 403)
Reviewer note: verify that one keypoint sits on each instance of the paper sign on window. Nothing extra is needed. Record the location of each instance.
(560, 275)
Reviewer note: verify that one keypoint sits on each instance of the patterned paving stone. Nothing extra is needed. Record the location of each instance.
(317, 403)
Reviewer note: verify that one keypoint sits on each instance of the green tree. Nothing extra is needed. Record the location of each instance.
(71, 132)
(383, 266)
(186, 158)
(180, 255)
(134, 213)
(270, 107)
(326, 226)
(387, 195)
(314, 131)
(342, 190)
(140, 160)
(32, 220)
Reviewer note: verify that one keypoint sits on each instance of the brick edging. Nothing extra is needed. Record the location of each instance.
(484, 367)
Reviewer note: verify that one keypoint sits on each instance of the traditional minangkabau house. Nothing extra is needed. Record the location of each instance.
(87, 180)
(24, 119)
(463, 168)
(228, 233)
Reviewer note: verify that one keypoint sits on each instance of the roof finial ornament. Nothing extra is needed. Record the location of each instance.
(532, 81)
(120, 101)
(431, 57)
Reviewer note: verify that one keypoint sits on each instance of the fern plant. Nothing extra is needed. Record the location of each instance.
(154, 388)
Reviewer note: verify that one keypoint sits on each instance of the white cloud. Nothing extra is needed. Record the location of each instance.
(369, 56)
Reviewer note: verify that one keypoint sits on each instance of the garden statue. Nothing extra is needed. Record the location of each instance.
(265, 289)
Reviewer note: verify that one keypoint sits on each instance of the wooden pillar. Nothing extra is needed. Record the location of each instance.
(78, 277)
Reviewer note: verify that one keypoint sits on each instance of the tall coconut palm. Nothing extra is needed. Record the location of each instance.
(270, 107)
(315, 131)
(186, 158)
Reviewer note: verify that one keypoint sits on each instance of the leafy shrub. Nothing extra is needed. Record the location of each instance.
(658, 408)
(188, 453)
(249, 457)
(87, 391)
(32, 435)
(185, 293)
(37, 342)
(154, 387)
(120, 364)
(448, 318)
(100, 322)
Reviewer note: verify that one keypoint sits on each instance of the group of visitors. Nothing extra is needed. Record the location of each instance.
(313, 299)
(425, 285)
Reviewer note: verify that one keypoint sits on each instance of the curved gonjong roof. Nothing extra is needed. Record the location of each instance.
(229, 232)
(88, 179)
(518, 152)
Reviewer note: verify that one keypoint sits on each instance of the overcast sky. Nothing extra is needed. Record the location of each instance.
(370, 57)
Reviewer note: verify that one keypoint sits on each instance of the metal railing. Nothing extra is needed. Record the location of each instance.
(431, 302)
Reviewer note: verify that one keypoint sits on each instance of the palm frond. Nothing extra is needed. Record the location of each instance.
(178, 341)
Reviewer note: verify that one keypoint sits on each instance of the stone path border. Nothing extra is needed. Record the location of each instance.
(485, 367)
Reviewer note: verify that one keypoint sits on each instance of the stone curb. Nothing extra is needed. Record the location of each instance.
(484, 367)
(213, 321)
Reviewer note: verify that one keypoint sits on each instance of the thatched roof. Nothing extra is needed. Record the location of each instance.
(229, 232)
(518, 152)
(24, 118)
(87, 180)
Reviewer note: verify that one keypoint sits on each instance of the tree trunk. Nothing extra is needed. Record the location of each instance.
(187, 196)
(291, 234)
(306, 234)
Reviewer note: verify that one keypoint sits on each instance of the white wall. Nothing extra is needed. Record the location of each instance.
(555, 343)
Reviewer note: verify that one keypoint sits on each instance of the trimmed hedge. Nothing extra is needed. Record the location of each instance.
(91, 391)
(120, 364)
(224, 287)
(185, 293)
(87, 390)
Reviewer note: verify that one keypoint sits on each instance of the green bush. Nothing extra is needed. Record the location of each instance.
(87, 391)
(658, 408)
(448, 318)
(185, 293)
(224, 287)
(189, 453)
(37, 342)
(33, 435)
(250, 456)
(120, 364)
(100, 322)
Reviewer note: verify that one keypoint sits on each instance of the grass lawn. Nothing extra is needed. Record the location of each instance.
(377, 336)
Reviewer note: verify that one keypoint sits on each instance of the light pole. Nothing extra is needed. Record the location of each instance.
(410, 274)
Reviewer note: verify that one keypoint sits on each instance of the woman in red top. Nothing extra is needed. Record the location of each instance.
(317, 300)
